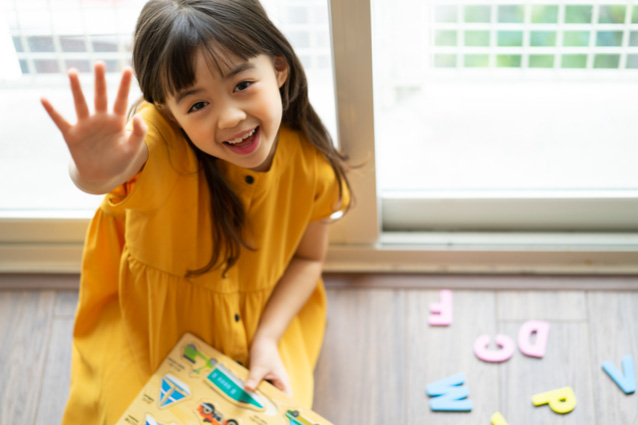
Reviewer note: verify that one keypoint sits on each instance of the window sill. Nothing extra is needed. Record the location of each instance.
(491, 253)
(55, 246)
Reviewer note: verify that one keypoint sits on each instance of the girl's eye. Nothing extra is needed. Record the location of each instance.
(197, 106)
(243, 85)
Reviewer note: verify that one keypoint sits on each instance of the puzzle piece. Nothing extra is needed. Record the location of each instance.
(494, 356)
(172, 391)
(442, 311)
(562, 400)
(524, 338)
(450, 396)
(625, 380)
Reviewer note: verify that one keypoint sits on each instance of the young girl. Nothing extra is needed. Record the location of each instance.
(215, 218)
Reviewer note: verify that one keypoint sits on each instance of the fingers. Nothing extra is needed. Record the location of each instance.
(255, 376)
(119, 107)
(81, 108)
(281, 384)
(59, 121)
(259, 374)
(101, 102)
(139, 131)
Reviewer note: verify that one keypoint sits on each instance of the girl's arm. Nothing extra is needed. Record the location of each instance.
(104, 154)
(289, 296)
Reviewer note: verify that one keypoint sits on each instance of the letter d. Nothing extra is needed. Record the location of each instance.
(542, 332)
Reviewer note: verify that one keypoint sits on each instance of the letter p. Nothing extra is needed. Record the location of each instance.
(562, 400)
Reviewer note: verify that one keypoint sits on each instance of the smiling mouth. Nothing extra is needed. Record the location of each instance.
(242, 141)
(246, 144)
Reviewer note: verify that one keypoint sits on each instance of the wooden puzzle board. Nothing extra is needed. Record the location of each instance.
(198, 385)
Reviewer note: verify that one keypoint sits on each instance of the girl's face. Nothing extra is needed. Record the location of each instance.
(234, 117)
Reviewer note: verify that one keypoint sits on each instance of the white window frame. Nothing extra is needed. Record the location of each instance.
(358, 243)
(362, 242)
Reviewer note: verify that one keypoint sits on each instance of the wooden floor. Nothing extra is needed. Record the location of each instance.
(380, 353)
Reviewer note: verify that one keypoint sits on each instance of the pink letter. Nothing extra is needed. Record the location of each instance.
(524, 344)
(496, 356)
(442, 311)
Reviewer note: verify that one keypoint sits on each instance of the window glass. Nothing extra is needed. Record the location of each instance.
(41, 39)
(48, 38)
(506, 97)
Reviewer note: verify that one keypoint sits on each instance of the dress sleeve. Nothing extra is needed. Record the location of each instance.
(327, 201)
(148, 189)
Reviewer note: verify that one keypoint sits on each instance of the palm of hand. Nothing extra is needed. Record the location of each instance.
(99, 143)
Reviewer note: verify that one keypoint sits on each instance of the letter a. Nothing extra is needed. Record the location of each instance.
(562, 400)
(542, 331)
(626, 380)
(442, 311)
(450, 395)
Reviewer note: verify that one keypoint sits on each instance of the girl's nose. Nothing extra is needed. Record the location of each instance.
(230, 117)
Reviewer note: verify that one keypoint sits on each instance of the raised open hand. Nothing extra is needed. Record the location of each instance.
(105, 154)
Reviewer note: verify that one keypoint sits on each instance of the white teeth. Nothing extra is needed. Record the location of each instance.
(241, 139)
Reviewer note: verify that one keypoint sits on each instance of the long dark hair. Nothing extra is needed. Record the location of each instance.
(168, 35)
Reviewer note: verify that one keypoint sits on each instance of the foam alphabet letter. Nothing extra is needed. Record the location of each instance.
(626, 380)
(498, 419)
(494, 356)
(450, 395)
(562, 400)
(524, 344)
(442, 311)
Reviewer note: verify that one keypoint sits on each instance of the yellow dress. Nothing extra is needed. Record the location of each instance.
(135, 301)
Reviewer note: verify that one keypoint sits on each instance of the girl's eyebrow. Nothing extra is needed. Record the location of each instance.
(244, 66)
(180, 96)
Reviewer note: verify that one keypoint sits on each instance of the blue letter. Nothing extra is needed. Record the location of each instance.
(626, 380)
(450, 396)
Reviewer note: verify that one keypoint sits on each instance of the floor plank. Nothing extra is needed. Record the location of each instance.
(66, 303)
(26, 322)
(360, 375)
(434, 353)
(57, 374)
(613, 320)
(541, 305)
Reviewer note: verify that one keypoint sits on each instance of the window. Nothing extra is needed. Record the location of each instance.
(515, 115)
(43, 216)
(42, 39)
(385, 232)
(462, 93)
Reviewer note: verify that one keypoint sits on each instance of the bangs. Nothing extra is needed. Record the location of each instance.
(201, 32)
